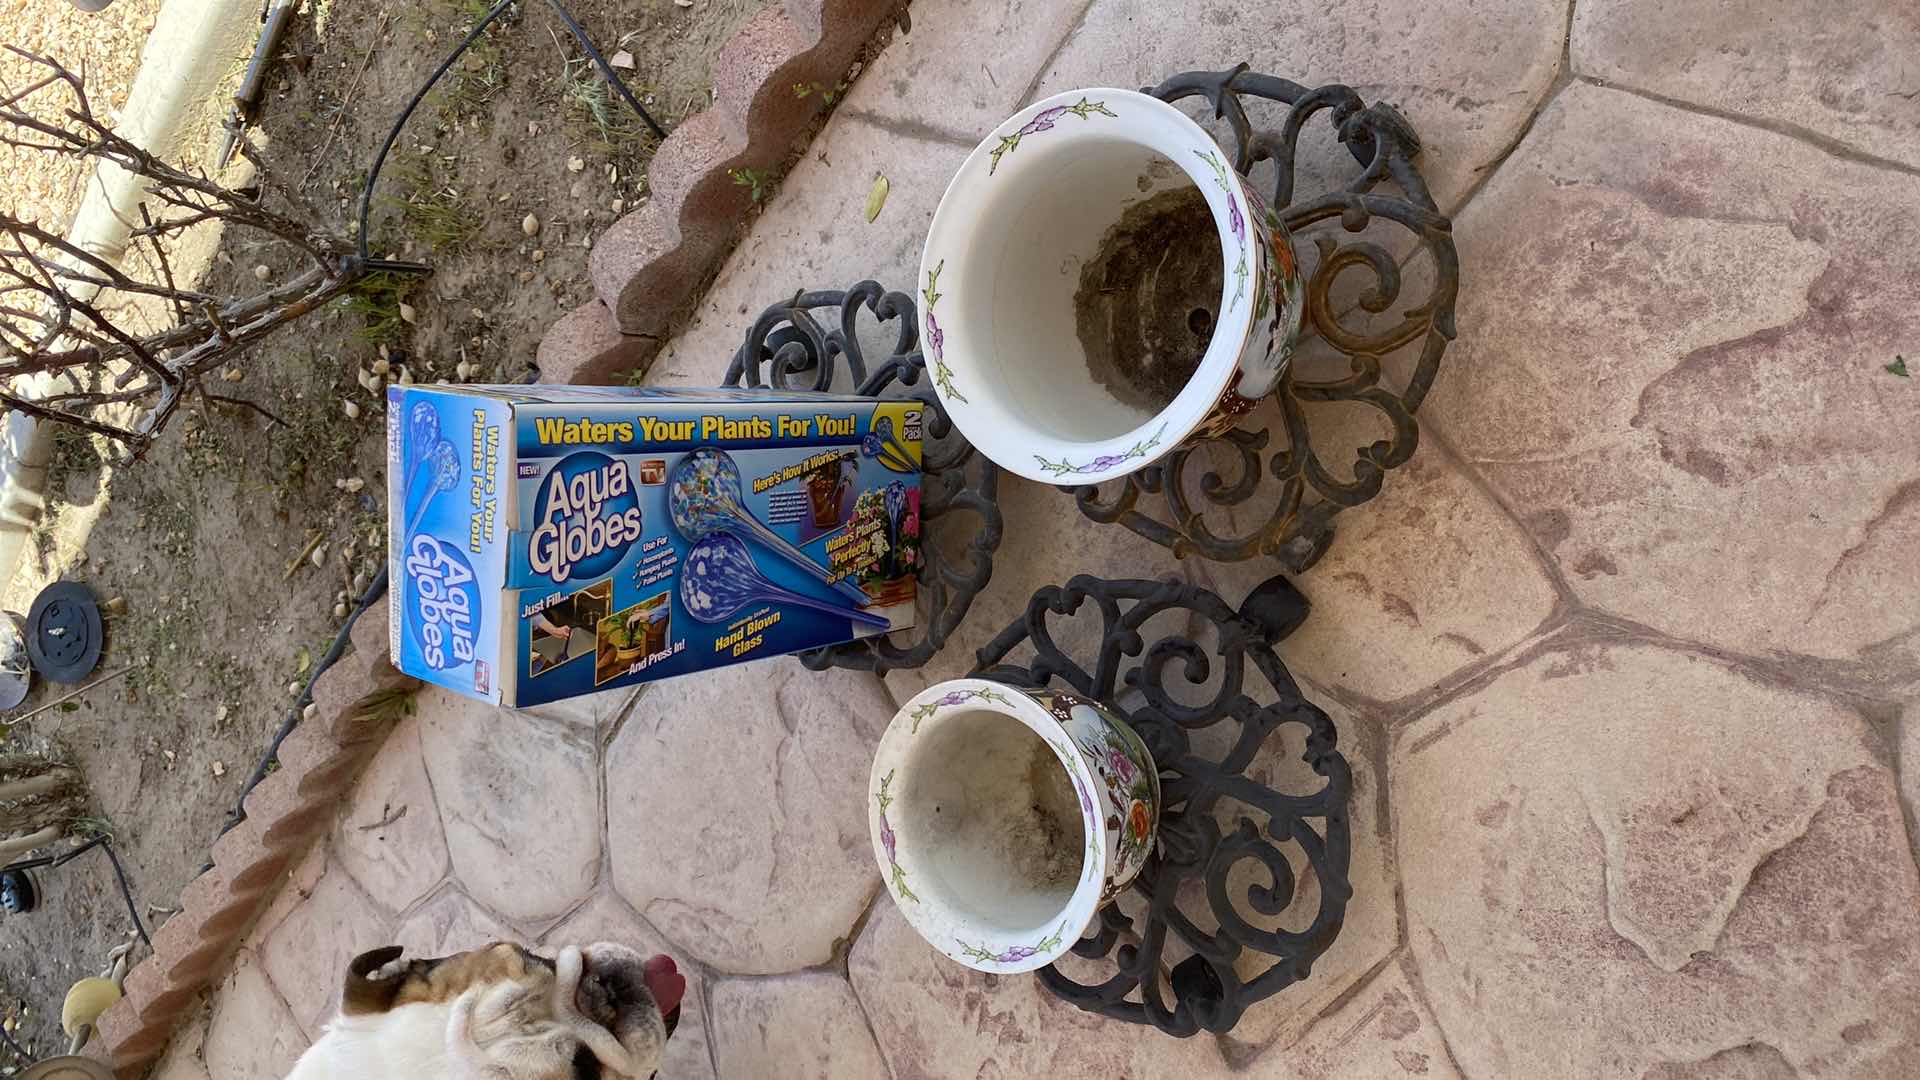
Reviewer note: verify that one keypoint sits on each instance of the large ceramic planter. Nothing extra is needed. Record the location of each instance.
(1003, 819)
(1071, 333)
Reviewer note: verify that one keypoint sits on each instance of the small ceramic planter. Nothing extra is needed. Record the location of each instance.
(1003, 818)
(1015, 336)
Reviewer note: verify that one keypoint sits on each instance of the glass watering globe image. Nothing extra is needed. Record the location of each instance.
(881, 444)
(444, 477)
(704, 498)
(719, 577)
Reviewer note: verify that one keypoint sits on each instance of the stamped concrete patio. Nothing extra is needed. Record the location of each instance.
(1624, 660)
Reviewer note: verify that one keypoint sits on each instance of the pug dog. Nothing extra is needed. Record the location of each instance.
(603, 1012)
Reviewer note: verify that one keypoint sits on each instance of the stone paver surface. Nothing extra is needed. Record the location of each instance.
(1656, 858)
(1844, 71)
(1626, 661)
(308, 952)
(759, 770)
(1384, 1032)
(390, 838)
(252, 1033)
(1694, 414)
(509, 786)
(449, 922)
(185, 1058)
(806, 1026)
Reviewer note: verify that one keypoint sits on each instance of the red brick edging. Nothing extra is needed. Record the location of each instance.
(649, 268)
(357, 702)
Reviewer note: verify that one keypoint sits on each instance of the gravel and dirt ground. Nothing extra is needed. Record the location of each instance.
(499, 182)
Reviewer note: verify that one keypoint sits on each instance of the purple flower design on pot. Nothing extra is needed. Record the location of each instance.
(1122, 765)
(1043, 121)
(1234, 219)
(890, 841)
(937, 338)
(952, 697)
(1014, 953)
(1101, 464)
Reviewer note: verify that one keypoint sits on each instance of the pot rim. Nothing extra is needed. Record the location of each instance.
(943, 929)
(1007, 442)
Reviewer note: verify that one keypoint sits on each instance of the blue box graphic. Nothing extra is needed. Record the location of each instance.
(551, 541)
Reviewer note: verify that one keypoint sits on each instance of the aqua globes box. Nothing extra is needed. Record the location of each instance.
(551, 541)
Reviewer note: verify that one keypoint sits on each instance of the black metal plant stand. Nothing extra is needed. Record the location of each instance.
(1208, 991)
(789, 348)
(1300, 529)
(1208, 825)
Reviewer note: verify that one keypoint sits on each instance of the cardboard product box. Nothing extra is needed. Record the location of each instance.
(551, 541)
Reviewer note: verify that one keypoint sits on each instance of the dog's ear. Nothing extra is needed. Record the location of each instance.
(365, 995)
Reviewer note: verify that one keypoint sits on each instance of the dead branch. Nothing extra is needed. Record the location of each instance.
(77, 340)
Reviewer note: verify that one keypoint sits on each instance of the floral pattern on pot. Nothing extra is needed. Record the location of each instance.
(1283, 282)
(1087, 812)
(1238, 222)
(1134, 789)
(953, 697)
(1125, 768)
(891, 841)
(936, 337)
(1116, 789)
(1013, 954)
(1104, 462)
(1043, 121)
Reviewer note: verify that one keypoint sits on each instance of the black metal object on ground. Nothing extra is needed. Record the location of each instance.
(1300, 528)
(18, 892)
(64, 632)
(1207, 819)
(789, 348)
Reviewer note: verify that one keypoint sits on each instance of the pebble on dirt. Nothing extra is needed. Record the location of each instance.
(576, 164)
(263, 272)
(530, 225)
(352, 410)
(233, 374)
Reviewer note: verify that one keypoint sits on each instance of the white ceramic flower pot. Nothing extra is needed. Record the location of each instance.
(1003, 819)
(1010, 303)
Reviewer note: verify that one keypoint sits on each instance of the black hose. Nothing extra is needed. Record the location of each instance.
(606, 69)
(375, 590)
(105, 843)
(393, 135)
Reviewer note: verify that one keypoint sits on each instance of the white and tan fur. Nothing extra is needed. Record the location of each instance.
(499, 1013)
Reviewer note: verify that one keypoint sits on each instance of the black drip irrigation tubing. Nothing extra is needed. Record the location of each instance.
(375, 590)
(104, 843)
(393, 135)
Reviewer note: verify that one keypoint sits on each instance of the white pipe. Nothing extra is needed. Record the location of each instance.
(190, 52)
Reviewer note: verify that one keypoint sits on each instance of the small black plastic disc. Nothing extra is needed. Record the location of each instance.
(64, 634)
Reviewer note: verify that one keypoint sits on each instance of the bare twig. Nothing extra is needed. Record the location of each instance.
(69, 695)
(69, 316)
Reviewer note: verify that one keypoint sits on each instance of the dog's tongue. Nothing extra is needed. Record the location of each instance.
(666, 983)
